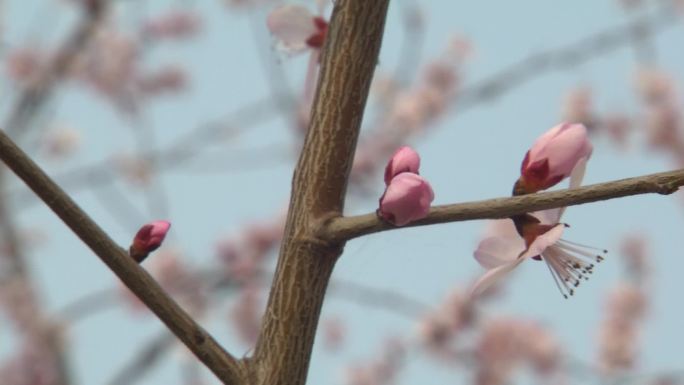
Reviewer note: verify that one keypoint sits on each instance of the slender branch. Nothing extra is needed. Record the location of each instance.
(201, 343)
(184, 148)
(345, 228)
(143, 360)
(153, 350)
(319, 185)
(21, 115)
(353, 292)
(562, 58)
(33, 97)
(379, 298)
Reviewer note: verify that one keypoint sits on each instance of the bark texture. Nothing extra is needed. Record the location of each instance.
(318, 190)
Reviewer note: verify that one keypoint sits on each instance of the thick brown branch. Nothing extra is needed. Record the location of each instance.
(319, 186)
(345, 228)
(203, 345)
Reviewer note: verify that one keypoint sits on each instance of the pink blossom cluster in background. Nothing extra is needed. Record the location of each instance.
(467, 331)
(113, 64)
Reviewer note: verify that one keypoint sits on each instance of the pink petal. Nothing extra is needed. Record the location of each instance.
(405, 159)
(554, 155)
(536, 248)
(406, 199)
(548, 217)
(493, 275)
(151, 236)
(553, 216)
(577, 174)
(576, 178)
(292, 25)
(569, 144)
(502, 228)
(495, 251)
(148, 239)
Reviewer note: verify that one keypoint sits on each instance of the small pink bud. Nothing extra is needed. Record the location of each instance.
(405, 159)
(148, 239)
(553, 157)
(407, 198)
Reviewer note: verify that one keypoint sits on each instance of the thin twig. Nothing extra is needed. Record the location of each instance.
(563, 58)
(198, 340)
(144, 359)
(378, 298)
(27, 107)
(37, 93)
(183, 149)
(353, 292)
(345, 228)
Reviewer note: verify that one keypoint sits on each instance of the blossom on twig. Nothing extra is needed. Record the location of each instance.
(568, 262)
(405, 159)
(148, 239)
(408, 195)
(553, 157)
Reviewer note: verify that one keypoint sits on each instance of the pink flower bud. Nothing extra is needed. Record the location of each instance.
(407, 198)
(148, 239)
(553, 157)
(405, 159)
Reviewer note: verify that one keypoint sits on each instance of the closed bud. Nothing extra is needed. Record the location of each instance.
(405, 159)
(407, 198)
(148, 239)
(553, 157)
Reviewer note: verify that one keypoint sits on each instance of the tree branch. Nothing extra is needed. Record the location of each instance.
(143, 360)
(345, 228)
(566, 57)
(201, 343)
(319, 186)
(24, 111)
(35, 95)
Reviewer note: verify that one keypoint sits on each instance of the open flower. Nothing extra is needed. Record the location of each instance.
(553, 157)
(407, 198)
(296, 28)
(568, 262)
(148, 239)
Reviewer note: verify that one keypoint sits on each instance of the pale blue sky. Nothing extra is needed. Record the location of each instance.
(466, 156)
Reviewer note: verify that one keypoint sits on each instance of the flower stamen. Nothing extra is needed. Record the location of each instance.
(570, 263)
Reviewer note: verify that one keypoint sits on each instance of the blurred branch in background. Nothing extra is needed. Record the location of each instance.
(38, 332)
(408, 100)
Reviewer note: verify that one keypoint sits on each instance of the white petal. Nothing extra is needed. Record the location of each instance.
(492, 276)
(292, 25)
(492, 252)
(578, 173)
(550, 216)
(575, 179)
(503, 228)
